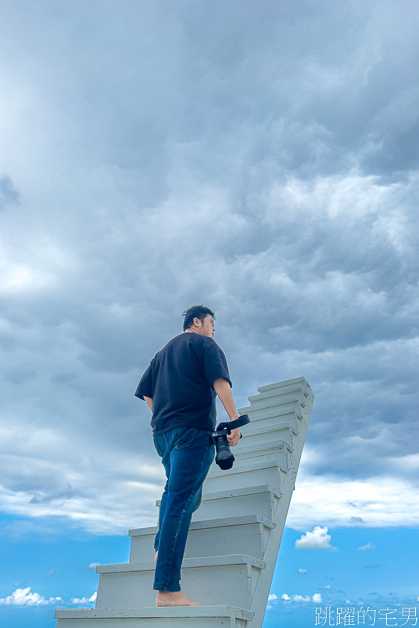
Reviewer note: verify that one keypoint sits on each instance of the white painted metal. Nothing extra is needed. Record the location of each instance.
(234, 536)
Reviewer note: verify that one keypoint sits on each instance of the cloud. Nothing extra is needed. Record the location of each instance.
(90, 567)
(66, 494)
(302, 571)
(84, 600)
(319, 539)
(24, 597)
(272, 597)
(8, 192)
(367, 546)
(316, 597)
(382, 500)
(273, 175)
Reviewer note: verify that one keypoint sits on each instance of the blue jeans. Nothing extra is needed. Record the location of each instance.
(187, 454)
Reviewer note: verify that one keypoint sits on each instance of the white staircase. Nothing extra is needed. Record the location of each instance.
(234, 536)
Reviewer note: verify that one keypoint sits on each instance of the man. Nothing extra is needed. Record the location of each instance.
(180, 387)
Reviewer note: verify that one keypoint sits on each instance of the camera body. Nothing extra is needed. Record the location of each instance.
(224, 457)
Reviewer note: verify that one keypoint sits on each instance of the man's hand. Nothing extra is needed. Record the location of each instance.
(234, 437)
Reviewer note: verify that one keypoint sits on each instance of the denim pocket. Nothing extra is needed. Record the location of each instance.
(157, 445)
(184, 437)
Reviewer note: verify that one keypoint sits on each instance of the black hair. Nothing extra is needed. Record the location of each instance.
(196, 311)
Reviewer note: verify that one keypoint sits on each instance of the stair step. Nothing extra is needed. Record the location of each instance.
(278, 449)
(256, 416)
(258, 423)
(286, 383)
(174, 617)
(262, 500)
(253, 437)
(238, 535)
(264, 404)
(280, 423)
(279, 395)
(245, 475)
(211, 580)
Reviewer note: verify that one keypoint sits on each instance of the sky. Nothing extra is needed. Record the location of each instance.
(262, 159)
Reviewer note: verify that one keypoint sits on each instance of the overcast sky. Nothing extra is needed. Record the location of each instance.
(260, 158)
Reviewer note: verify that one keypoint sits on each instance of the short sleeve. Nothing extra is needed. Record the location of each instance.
(214, 362)
(145, 387)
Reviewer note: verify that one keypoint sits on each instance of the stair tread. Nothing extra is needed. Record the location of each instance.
(239, 492)
(285, 384)
(275, 398)
(173, 611)
(270, 428)
(281, 445)
(204, 561)
(211, 523)
(244, 466)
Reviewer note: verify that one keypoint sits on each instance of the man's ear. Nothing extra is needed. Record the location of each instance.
(196, 321)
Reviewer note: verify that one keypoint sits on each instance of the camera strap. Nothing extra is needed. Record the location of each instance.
(232, 425)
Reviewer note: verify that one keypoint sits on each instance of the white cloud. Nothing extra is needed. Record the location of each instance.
(272, 597)
(319, 539)
(84, 600)
(24, 597)
(382, 501)
(366, 547)
(302, 570)
(316, 597)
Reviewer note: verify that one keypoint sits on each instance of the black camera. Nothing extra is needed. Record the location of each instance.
(224, 458)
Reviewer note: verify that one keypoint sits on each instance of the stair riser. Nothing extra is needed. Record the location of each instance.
(274, 406)
(248, 539)
(280, 433)
(244, 479)
(154, 622)
(263, 504)
(297, 386)
(214, 586)
(262, 456)
(269, 423)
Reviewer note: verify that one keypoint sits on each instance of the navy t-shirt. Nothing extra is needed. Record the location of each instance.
(179, 380)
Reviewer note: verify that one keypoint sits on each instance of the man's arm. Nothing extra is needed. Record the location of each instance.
(223, 390)
(149, 402)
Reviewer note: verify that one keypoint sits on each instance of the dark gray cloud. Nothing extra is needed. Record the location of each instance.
(261, 159)
(8, 193)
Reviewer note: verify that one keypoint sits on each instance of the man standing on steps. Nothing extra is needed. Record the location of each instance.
(180, 387)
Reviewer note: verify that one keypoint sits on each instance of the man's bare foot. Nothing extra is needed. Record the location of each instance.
(156, 556)
(174, 598)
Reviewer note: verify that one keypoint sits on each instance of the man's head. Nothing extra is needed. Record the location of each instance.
(200, 320)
